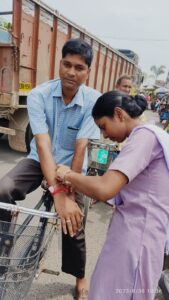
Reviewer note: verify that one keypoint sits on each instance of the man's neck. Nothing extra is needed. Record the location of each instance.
(68, 96)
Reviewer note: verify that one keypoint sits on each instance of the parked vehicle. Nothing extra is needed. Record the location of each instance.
(30, 51)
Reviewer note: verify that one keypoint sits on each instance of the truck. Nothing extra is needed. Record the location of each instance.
(30, 52)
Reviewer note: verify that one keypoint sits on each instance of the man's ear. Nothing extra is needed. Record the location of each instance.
(118, 112)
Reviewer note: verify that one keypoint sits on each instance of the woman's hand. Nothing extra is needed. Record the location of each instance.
(61, 172)
(69, 213)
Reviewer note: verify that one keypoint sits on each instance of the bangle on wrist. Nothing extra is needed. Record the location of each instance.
(56, 190)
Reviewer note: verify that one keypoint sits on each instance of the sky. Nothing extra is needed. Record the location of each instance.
(142, 26)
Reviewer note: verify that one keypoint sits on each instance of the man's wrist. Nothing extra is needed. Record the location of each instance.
(54, 190)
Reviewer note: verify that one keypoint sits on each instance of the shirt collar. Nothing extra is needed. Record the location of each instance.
(57, 91)
(77, 99)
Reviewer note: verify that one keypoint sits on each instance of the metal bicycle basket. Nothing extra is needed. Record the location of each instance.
(21, 248)
(19, 257)
(101, 154)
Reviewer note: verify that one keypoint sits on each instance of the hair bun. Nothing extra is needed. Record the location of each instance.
(141, 102)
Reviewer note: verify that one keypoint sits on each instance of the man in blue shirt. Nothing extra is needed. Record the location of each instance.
(60, 117)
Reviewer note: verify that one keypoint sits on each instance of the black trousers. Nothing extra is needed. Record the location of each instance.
(23, 179)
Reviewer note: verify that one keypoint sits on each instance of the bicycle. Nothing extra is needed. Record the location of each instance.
(23, 246)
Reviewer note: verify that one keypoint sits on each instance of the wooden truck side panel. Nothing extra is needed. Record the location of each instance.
(32, 56)
(6, 67)
(40, 63)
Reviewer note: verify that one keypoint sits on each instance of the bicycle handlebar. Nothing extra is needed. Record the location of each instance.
(29, 211)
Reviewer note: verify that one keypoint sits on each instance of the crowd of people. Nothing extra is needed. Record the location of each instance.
(64, 115)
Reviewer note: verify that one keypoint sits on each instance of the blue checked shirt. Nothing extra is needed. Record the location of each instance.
(64, 123)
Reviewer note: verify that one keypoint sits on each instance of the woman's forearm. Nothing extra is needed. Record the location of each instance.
(101, 188)
(91, 186)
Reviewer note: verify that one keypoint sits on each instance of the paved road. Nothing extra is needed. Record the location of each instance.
(61, 287)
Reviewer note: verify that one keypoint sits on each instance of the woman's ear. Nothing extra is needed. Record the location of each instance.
(119, 113)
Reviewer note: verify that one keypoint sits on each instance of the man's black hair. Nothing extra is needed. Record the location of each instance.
(78, 47)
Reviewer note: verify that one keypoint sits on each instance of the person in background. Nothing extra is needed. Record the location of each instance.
(148, 98)
(61, 122)
(131, 260)
(157, 105)
(124, 84)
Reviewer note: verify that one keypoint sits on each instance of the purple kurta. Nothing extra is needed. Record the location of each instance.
(131, 260)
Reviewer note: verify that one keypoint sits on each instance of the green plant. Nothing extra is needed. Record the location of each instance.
(157, 71)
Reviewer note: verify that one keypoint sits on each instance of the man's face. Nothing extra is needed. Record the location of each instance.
(73, 72)
(125, 86)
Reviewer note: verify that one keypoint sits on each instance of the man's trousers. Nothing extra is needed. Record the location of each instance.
(23, 179)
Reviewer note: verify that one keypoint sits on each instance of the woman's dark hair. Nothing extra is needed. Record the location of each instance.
(80, 47)
(106, 104)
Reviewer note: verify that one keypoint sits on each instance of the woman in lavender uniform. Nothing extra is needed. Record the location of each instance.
(131, 260)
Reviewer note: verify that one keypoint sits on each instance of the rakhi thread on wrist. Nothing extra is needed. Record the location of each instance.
(56, 190)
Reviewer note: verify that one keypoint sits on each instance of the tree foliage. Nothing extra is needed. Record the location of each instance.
(5, 24)
(157, 71)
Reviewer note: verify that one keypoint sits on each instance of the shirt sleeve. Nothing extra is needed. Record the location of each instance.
(36, 112)
(137, 154)
(89, 129)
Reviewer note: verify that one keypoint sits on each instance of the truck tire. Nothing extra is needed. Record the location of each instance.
(28, 137)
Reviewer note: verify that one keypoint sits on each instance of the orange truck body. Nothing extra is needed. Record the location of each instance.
(32, 55)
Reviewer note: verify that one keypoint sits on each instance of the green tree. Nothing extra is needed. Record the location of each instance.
(157, 71)
(5, 24)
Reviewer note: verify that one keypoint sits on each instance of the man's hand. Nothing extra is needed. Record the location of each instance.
(69, 213)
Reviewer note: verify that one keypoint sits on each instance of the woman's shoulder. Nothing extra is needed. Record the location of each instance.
(142, 142)
(143, 133)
